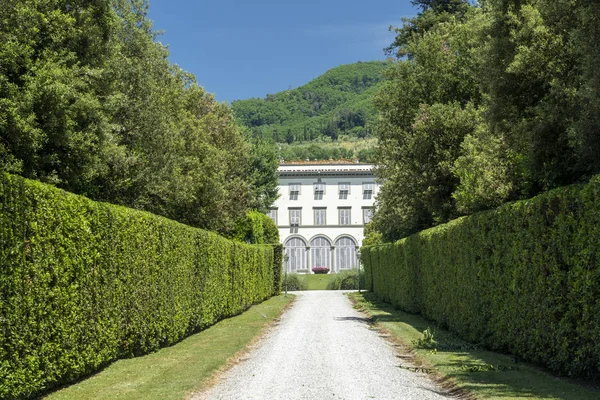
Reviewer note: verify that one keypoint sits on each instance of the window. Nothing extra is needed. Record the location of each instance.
(273, 215)
(344, 216)
(319, 190)
(367, 190)
(320, 216)
(295, 248)
(295, 216)
(295, 219)
(367, 215)
(294, 191)
(320, 253)
(344, 190)
(345, 257)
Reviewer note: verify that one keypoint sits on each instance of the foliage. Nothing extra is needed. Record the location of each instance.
(523, 278)
(337, 102)
(428, 106)
(256, 228)
(459, 361)
(372, 237)
(294, 282)
(277, 268)
(427, 341)
(89, 102)
(346, 280)
(539, 100)
(85, 283)
(488, 103)
(345, 148)
(264, 162)
(186, 366)
(320, 270)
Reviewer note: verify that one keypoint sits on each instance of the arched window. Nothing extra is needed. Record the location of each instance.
(320, 253)
(345, 253)
(295, 248)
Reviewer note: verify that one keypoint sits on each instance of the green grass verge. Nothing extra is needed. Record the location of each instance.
(176, 371)
(316, 281)
(484, 374)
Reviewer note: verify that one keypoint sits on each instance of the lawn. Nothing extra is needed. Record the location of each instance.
(316, 281)
(485, 374)
(177, 371)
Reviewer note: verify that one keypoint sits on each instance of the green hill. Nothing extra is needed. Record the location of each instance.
(337, 103)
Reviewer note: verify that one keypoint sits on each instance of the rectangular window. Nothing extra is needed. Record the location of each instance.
(295, 219)
(295, 216)
(367, 190)
(294, 191)
(319, 191)
(344, 190)
(344, 216)
(320, 216)
(367, 215)
(273, 215)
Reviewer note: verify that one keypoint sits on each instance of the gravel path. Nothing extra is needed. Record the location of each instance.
(322, 349)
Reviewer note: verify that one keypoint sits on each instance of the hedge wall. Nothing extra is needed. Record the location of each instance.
(524, 278)
(84, 283)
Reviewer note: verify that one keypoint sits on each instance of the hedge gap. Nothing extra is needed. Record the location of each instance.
(523, 279)
(85, 283)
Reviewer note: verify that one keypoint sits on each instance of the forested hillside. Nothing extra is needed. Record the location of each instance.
(90, 102)
(337, 103)
(488, 102)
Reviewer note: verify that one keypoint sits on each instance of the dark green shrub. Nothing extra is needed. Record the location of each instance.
(427, 341)
(524, 278)
(84, 283)
(256, 228)
(346, 280)
(294, 282)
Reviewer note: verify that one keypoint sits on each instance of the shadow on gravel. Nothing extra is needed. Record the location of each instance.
(368, 321)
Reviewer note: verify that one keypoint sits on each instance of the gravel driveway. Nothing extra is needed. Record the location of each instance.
(322, 349)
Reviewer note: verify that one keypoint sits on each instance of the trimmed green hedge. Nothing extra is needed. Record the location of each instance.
(256, 228)
(84, 283)
(524, 278)
(277, 268)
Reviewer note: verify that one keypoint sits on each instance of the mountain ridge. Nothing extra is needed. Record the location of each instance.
(338, 102)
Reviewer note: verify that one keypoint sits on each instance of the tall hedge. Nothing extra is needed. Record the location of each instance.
(84, 283)
(524, 278)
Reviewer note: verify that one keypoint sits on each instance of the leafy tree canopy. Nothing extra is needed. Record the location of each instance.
(486, 104)
(90, 103)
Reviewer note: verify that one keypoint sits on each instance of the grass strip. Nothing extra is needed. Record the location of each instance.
(475, 373)
(317, 281)
(177, 371)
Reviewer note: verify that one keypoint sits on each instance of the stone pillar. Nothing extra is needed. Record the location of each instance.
(333, 259)
(308, 265)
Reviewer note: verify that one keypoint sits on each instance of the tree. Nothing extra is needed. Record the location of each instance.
(539, 82)
(289, 137)
(54, 121)
(90, 102)
(428, 105)
(263, 164)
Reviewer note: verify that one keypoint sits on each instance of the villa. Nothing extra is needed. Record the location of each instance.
(321, 213)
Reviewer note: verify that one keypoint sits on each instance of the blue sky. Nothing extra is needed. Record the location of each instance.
(241, 49)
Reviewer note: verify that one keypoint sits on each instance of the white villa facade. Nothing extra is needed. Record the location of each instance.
(321, 213)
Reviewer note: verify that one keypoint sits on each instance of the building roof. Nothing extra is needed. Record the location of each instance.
(323, 169)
